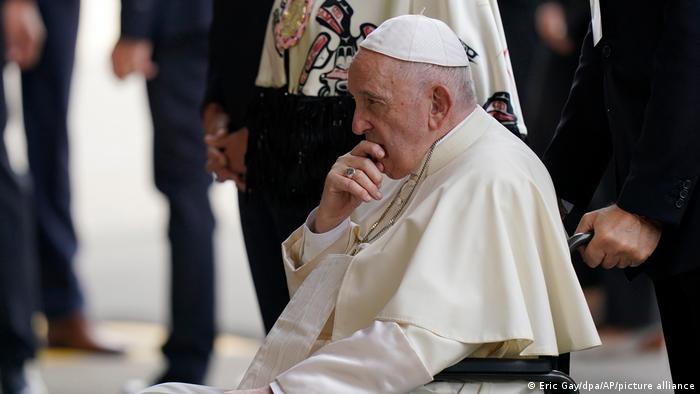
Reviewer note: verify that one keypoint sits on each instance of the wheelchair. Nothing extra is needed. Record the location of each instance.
(552, 372)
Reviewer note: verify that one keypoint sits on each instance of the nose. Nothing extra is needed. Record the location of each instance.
(360, 125)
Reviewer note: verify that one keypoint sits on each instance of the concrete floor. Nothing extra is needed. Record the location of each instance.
(70, 372)
(122, 261)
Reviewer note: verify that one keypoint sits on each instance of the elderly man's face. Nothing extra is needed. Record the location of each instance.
(390, 111)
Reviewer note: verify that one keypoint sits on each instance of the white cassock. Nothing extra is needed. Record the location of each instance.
(477, 265)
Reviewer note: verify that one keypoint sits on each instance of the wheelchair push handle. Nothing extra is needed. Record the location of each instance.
(579, 239)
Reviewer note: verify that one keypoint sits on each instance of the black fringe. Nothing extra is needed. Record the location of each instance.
(294, 140)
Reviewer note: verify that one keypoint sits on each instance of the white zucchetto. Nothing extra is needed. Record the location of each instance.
(419, 39)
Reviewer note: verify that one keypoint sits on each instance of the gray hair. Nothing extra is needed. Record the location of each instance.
(457, 79)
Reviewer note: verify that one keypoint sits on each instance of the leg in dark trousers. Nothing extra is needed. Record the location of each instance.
(18, 287)
(45, 96)
(679, 305)
(179, 160)
(266, 224)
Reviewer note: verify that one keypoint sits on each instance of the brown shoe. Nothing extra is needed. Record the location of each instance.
(73, 332)
(652, 342)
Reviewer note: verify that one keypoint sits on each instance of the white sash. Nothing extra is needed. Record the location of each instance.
(300, 324)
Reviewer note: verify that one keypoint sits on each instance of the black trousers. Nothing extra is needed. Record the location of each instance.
(179, 158)
(679, 305)
(267, 222)
(18, 278)
(45, 97)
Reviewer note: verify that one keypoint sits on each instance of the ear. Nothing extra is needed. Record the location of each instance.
(441, 104)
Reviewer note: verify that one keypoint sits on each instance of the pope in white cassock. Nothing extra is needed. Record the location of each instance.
(438, 237)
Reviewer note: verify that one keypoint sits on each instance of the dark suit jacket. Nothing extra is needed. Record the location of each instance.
(636, 99)
(165, 19)
(235, 45)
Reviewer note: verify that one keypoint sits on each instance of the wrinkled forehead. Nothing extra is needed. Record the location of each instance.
(371, 68)
(367, 62)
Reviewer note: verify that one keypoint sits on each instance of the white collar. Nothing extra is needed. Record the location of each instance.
(457, 127)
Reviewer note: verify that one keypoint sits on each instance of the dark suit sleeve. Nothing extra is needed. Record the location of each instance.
(235, 42)
(138, 18)
(581, 148)
(665, 161)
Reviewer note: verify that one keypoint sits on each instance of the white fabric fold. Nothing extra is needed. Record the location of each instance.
(181, 388)
(377, 359)
(291, 338)
(436, 352)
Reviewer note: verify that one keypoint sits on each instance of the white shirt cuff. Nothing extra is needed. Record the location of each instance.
(315, 243)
